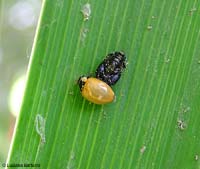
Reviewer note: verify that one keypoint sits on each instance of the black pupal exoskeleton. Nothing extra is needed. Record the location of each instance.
(111, 68)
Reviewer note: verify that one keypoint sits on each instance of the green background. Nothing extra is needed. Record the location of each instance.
(159, 88)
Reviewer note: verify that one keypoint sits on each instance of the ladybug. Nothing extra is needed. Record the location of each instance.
(111, 68)
(95, 90)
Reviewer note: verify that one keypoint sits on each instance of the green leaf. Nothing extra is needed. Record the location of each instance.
(154, 122)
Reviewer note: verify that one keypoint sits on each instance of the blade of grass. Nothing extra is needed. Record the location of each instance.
(139, 129)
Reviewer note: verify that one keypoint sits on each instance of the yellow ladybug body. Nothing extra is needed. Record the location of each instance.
(95, 90)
